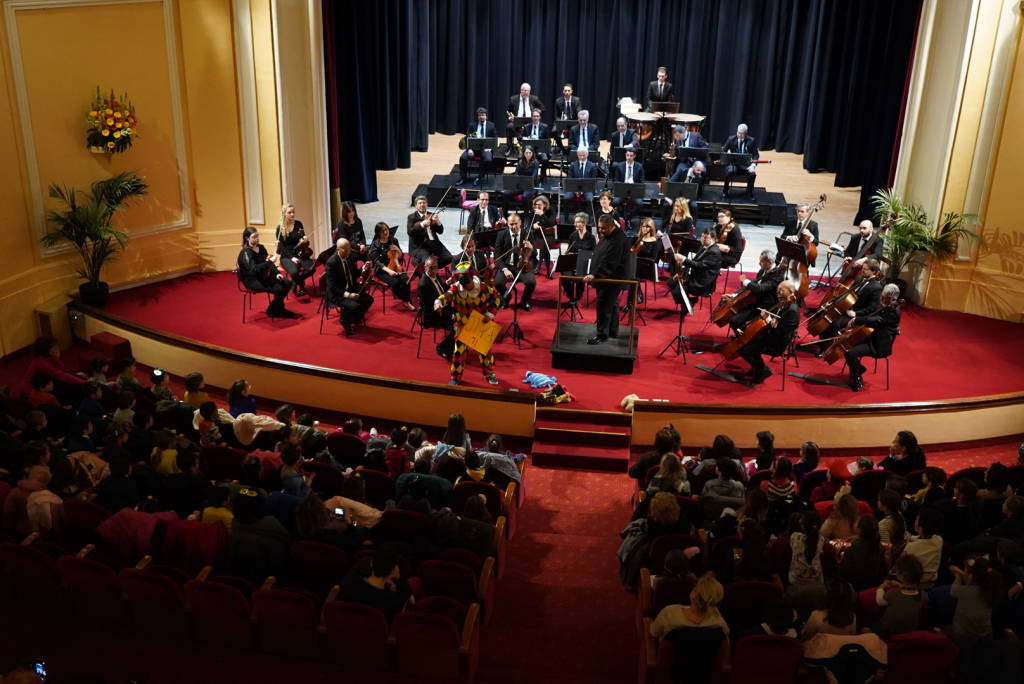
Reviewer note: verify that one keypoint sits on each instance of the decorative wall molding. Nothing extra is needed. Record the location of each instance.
(11, 10)
(321, 188)
(245, 69)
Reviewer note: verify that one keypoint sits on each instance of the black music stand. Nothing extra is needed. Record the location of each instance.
(486, 239)
(674, 190)
(694, 153)
(567, 264)
(539, 145)
(667, 107)
(580, 185)
(516, 185)
(481, 144)
(631, 191)
(737, 160)
(521, 121)
(793, 251)
(645, 269)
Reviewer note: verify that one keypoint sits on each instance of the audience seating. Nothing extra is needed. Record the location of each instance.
(317, 566)
(975, 473)
(766, 660)
(808, 482)
(664, 543)
(702, 655)
(356, 636)
(431, 643)
(346, 449)
(454, 580)
(328, 480)
(155, 603)
(921, 657)
(91, 591)
(286, 622)
(745, 602)
(220, 614)
(79, 520)
(379, 487)
(866, 486)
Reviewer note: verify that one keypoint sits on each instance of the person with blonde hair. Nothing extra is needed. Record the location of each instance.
(680, 220)
(294, 249)
(841, 523)
(702, 611)
(671, 477)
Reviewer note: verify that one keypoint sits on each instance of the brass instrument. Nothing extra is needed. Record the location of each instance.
(464, 143)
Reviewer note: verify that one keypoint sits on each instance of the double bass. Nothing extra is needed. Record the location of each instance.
(797, 272)
(731, 349)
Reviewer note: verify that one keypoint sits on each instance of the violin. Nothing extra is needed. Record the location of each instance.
(394, 257)
(731, 349)
(525, 260)
(366, 274)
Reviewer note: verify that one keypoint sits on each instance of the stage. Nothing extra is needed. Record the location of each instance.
(944, 362)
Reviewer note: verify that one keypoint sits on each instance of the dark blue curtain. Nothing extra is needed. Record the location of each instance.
(819, 77)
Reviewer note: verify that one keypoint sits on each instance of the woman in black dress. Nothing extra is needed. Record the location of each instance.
(380, 252)
(350, 227)
(529, 166)
(581, 238)
(542, 220)
(605, 208)
(258, 273)
(679, 219)
(730, 239)
(294, 249)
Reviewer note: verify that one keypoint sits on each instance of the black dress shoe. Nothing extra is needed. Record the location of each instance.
(526, 306)
(758, 378)
(597, 339)
(857, 384)
(286, 313)
(349, 330)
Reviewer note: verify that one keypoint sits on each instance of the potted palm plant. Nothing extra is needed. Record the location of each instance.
(911, 239)
(85, 220)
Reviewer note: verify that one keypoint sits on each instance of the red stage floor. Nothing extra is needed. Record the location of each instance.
(940, 355)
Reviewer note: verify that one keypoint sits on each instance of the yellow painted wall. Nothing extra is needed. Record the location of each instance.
(991, 281)
(66, 52)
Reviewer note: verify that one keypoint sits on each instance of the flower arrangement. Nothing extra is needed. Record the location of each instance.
(112, 123)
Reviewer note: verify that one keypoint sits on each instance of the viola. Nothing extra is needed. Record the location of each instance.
(304, 250)
(394, 256)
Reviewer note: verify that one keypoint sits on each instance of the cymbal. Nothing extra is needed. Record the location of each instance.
(685, 118)
(644, 117)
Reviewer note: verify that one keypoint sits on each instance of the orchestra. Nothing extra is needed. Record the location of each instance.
(500, 254)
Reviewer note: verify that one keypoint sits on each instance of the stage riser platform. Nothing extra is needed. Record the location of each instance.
(570, 351)
(767, 208)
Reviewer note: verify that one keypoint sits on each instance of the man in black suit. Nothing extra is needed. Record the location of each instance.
(424, 230)
(776, 337)
(609, 263)
(584, 134)
(430, 288)
(582, 168)
(623, 136)
(509, 263)
(684, 138)
(567, 108)
(536, 130)
(868, 288)
(764, 287)
(885, 321)
(660, 90)
(800, 227)
(702, 270)
(342, 285)
(628, 171)
(483, 216)
(482, 128)
(864, 245)
(521, 105)
(741, 143)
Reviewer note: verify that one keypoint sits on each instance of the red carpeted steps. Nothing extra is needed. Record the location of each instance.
(574, 438)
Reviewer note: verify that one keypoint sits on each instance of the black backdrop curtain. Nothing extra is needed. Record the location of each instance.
(824, 78)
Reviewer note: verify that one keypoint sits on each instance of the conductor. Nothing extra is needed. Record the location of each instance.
(609, 264)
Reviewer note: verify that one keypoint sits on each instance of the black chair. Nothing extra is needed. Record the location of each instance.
(247, 293)
(418, 321)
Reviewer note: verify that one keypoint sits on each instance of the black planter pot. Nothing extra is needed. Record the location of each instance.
(94, 294)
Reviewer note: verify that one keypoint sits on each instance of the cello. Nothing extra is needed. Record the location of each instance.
(845, 341)
(797, 272)
(836, 307)
(731, 349)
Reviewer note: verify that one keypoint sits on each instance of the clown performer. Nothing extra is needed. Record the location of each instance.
(466, 295)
